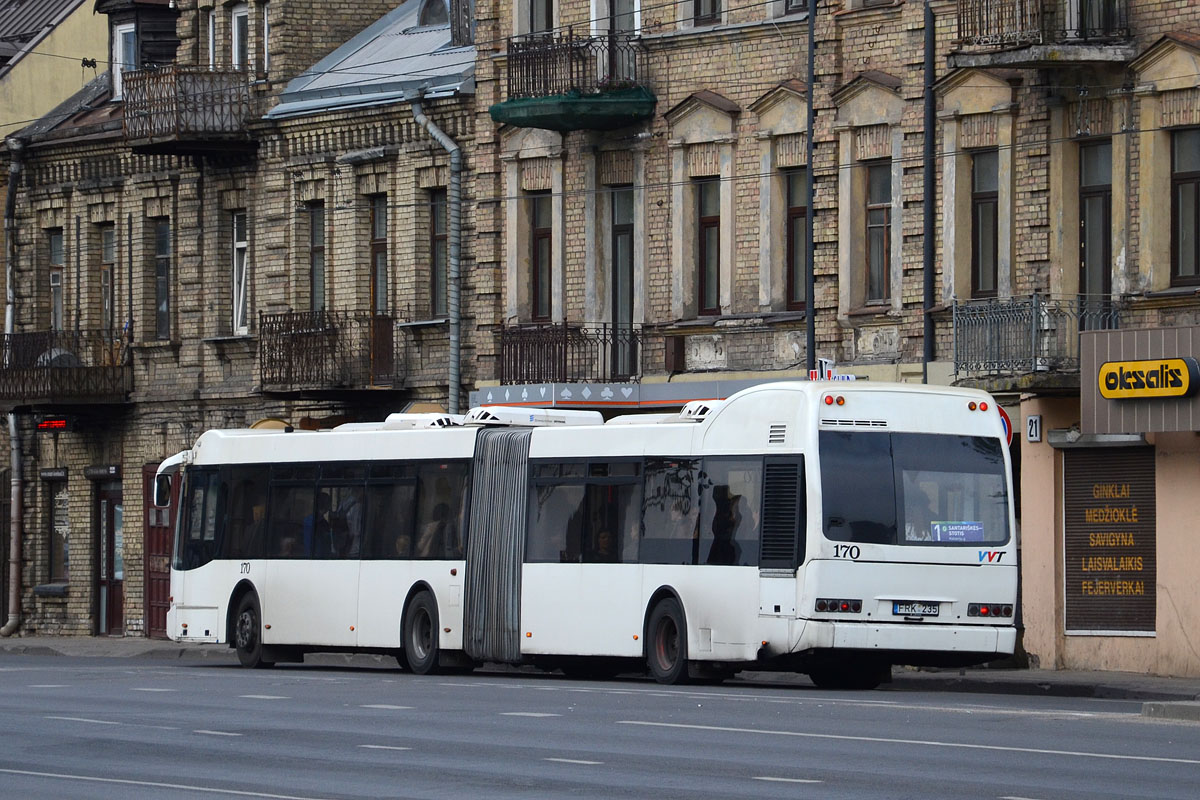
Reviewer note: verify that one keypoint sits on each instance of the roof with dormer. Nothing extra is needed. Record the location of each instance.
(24, 23)
(393, 57)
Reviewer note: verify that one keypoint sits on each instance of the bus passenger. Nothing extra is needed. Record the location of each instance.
(435, 533)
(317, 533)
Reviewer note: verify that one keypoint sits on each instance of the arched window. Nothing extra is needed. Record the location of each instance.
(433, 12)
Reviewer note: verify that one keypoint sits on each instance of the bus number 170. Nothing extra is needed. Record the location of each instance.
(846, 551)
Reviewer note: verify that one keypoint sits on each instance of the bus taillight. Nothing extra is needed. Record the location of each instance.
(989, 610)
(839, 606)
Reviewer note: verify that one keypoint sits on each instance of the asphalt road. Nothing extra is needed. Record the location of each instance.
(87, 728)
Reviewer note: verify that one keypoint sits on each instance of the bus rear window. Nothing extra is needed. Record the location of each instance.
(913, 489)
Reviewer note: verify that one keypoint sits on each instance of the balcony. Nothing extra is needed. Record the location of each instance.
(187, 110)
(63, 368)
(1026, 343)
(322, 351)
(1042, 33)
(570, 353)
(573, 83)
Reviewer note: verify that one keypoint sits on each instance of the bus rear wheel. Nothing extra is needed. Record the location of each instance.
(247, 633)
(421, 634)
(666, 643)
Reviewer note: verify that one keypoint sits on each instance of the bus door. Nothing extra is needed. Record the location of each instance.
(314, 532)
(495, 546)
(581, 585)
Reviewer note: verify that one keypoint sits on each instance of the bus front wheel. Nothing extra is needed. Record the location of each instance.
(421, 634)
(667, 643)
(247, 633)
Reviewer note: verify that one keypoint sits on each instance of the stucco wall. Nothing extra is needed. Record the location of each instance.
(1175, 647)
(40, 80)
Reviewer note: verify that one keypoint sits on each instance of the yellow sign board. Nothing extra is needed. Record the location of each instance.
(1150, 379)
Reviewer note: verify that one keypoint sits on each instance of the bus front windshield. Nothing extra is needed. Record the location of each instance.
(913, 489)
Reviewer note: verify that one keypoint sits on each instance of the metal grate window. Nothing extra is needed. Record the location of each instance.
(783, 515)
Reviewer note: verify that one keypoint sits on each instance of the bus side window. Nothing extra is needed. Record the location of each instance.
(556, 517)
(245, 530)
(731, 501)
(670, 512)
(391, 511)
(294, 528)
(440, 510)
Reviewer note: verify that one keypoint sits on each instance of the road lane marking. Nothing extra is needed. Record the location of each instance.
(385, 707)
(263, 697)
(216, 733)
(574, 761)
(48, 686)
(527, 714)
(151, 689)
(920, 742)
(85, 719)
(155, 784)
(383, 747)
(784, 780)
(1014, 797)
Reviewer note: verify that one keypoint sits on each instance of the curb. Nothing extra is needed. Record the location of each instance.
(1188, 711)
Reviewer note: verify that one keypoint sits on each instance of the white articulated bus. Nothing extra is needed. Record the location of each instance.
(828, 528)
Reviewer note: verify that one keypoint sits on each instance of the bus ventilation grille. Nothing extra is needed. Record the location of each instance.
(781, 511)
(777, 434)
(856, 423)
(697, 410)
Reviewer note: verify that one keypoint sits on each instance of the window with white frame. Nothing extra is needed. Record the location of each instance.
(541, 16)
(796, 181)
(706, 12)
(266, 37)
(541, 261)
(708, 246)
(56, 260)
(241, 274)
(211, 27)
(124, 56)
(378, 225)
(239, 25)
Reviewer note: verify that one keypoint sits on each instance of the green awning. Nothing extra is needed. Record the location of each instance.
(575, 111)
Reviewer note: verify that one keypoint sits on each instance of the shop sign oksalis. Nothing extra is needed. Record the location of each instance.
(1109, 540)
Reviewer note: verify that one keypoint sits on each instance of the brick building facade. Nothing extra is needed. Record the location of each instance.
(193, 253)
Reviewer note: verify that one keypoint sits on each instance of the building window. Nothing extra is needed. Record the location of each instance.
(797, 237)
(541, 15)
(54, 245)
(1095, 220)
(266, 38)
(706, 12)
(879, 230)
(1185, 207)
(624, 356)
(985, 200)
(432, 13)
(438, 253)
(239, 23)
(211, 25)
(162, 279)
(542, 212)
(379, 258)
(708, 250)
(316, 256)
(124, 56)
(795, 6)
(241, 274)
(60, 530)
(108, 266)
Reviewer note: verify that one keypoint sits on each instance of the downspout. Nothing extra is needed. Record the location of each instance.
(453, 279)
(15, 146)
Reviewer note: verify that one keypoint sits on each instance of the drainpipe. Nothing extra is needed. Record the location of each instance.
(15, 147)
(454, 200)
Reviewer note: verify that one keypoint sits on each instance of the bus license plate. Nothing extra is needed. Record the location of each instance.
(913, 609)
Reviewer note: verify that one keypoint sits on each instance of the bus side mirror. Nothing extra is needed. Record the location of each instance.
(162, 491)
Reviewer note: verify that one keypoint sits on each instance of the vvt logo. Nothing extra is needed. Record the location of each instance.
(991, 556)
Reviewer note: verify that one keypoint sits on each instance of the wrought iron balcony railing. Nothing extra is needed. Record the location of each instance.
(565, 352)
(318, 350)
(181, 105)
(1003, 24)
(65, 367)
(542, 65)
(1021, 335)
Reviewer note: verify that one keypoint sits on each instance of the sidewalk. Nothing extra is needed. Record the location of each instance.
(1163, 697)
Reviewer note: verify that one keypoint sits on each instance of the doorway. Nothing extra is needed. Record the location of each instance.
(109, 524)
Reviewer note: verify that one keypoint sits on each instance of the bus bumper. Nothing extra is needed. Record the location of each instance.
(193, 624)
(983, 639)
